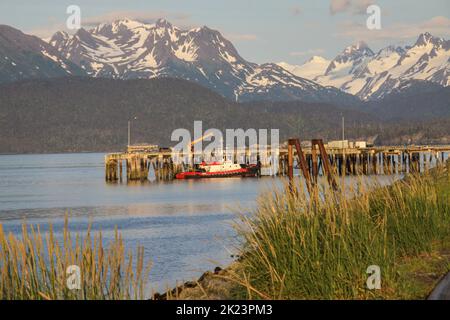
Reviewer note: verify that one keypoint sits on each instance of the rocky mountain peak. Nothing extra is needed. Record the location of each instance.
(128, 49)
(60, 35)
(351, 58)
(427, 38)
(58, 39)
(424, 39)
(82, 34)
(371, 76)
(317, 59)
(354, 54)
(390, 50)
(163, 23)
(28, 57)
(360, 47)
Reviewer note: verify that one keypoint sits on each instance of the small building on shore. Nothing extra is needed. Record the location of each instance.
(346, 144)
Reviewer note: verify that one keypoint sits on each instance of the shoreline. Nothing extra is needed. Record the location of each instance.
(216, 285)
(124, 148)
(214, 280)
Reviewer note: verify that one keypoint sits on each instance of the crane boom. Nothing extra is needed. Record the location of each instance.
(201, 138)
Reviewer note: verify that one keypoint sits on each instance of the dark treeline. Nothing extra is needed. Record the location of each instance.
(80, 114)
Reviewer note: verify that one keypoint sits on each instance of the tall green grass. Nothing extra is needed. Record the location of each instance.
(294, 247)
(300, 247)
(34, 266)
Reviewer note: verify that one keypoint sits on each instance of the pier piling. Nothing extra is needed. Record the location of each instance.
(159, 165)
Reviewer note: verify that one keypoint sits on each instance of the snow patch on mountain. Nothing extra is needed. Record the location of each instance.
(128, 49)
(428, 59)
(368, 75)
(311, 69)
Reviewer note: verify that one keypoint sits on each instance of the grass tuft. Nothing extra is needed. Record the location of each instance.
(295, 247)
(34, 266)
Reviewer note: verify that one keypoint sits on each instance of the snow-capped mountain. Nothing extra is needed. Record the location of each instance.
(127, 49)
(314, 67)
(27, 57)
(428, 59)
(349, 65)
(368, 75)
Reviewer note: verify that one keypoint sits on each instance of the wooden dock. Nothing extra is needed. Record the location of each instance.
(138, 161)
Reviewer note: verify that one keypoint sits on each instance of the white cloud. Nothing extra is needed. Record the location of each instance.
(179, 19)
(360, 6)
(438, 26)
(437, 22)
(240, 37)
(306, 53)
(337, 6)
(352, 6)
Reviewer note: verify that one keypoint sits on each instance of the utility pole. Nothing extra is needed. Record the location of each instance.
(129, 131)
(343, 147)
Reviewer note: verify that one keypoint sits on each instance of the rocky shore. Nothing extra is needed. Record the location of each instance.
(212, 285)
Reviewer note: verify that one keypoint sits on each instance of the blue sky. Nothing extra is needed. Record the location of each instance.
(262, 30)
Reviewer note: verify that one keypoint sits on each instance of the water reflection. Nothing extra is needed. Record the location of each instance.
(183, 225)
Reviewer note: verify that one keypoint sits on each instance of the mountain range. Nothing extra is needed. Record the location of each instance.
(28, 57)
(77, 92)
(368, 75)
(127, 49)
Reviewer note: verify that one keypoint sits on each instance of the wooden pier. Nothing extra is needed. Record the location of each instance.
(138, 163)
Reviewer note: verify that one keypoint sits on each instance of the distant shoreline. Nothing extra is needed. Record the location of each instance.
(50, 153)
(118, 150)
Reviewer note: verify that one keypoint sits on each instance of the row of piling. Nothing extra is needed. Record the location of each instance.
(143, 167)
(376, 163)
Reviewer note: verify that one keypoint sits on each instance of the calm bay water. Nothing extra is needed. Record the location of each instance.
(185, 226)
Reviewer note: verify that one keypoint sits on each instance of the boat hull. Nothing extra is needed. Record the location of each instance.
(243, 172)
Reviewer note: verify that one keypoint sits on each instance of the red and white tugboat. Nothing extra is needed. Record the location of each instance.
(220, 170)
